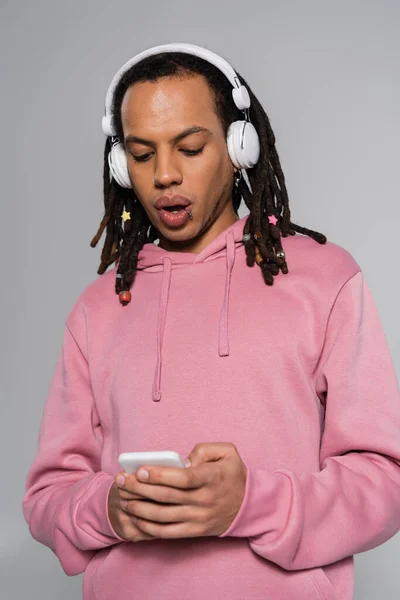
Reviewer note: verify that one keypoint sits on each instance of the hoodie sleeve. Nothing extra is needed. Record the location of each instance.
(66, 495)
(307, 520)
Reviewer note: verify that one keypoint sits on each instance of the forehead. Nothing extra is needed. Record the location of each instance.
(170, 102)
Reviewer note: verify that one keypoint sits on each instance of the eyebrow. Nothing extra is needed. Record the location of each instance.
(177, 138)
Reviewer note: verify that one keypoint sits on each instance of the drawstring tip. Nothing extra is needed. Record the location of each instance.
(156, 396)
(223, 350)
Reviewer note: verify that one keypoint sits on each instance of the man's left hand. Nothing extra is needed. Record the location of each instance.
(200, 500)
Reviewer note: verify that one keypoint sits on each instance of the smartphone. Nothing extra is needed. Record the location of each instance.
(131, 461)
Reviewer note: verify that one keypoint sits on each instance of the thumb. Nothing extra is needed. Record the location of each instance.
(210, 452)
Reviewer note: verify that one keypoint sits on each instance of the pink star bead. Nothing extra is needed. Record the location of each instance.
(272, 219)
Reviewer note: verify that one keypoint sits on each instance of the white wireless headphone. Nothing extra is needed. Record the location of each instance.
(242, 138)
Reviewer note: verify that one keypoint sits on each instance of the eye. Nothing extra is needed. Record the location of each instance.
(193, 152)
(141, 158)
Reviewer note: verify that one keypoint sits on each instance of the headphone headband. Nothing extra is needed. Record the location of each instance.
(239, 92)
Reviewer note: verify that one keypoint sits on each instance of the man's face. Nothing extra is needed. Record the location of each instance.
(160, 165)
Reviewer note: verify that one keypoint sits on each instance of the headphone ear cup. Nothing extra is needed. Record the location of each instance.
(119, 165)
(247, 156)
(231, 147)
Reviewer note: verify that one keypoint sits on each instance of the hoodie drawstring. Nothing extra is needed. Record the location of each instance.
(223, 339)
(162, 313)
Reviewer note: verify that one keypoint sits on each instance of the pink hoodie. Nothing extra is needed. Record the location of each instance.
(297, 375)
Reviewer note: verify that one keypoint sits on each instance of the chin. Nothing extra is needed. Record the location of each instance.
(179, 235)
(183, 235)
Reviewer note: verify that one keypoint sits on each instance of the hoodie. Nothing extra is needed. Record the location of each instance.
(296, 375)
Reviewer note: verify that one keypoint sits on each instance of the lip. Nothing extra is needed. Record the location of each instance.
(167, 201)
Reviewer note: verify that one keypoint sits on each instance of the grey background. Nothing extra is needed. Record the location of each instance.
(328, 76)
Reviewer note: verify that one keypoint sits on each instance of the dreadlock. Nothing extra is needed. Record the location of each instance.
(265, 196)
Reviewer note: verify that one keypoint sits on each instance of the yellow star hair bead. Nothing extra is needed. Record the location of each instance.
(126, 215)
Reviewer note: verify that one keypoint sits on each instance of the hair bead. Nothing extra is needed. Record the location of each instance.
(125, 297)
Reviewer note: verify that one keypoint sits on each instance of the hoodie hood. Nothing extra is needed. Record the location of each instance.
(153, 259)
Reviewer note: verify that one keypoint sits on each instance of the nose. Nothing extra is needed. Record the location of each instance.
(166, 172)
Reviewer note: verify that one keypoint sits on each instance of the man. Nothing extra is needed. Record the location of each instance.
(283, 397)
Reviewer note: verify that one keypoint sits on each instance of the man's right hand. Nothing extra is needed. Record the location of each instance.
(121, 521)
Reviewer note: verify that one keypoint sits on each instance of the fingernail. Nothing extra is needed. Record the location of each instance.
(124, 503)
(187, 463)
(143, 474)
(120, 480)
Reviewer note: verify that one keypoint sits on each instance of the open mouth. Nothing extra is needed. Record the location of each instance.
(174, 209)
(175, 216)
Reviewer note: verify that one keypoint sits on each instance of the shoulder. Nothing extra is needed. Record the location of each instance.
(327, 262)
(97, 298)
